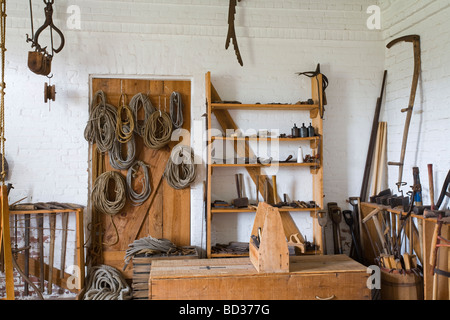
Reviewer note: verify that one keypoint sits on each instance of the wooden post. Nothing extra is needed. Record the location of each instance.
(5, 240)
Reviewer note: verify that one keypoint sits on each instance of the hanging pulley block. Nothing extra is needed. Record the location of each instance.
(49, 92)
(39, 63)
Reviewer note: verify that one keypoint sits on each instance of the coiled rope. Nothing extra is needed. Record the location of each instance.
(138, 198)
(158, 130)
(106, 283)
(100, 198)
(139, 101)
(180, 171)
(115, 154)
(124, 135)
(100, 128)
(176, 102)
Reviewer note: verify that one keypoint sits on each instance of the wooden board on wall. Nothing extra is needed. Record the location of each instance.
(166, 214)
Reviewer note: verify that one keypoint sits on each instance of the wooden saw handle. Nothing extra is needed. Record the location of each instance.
(431, 183)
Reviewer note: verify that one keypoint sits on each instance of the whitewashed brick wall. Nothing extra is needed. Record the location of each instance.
(48, 155)
(428, 141)
(172, 38)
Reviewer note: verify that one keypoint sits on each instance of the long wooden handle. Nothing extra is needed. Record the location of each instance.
(237, 185)
(275, 194)
(430, 181)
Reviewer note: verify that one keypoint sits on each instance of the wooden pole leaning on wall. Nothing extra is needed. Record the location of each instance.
(6, 244)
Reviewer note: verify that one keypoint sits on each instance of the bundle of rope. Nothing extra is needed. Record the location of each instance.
(115, 154)
(100, 128)
(180, 171)
(124, 127)
(106, 283)
(158, 130)
(176, 102)
(138, 198)
(153, 246)
(137, 102)
(101, 201)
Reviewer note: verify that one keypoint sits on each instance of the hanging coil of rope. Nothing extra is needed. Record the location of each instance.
(180, 171)
(115, 154)
(176, 109)
(100, 198)
(106, 283)
(137, 102)
(158, 130)
(100, 128)
(124, 127)
(138, 198)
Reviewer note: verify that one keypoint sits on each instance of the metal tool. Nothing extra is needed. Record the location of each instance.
(336, 217)
(415, 40)
(322, 219)
(232, 31)
(40, 60)
(240, 202)
(348, 217)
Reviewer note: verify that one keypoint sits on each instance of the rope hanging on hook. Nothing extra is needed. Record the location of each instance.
(139, 101)
(138, 198)
(158, 130)
(100, 198)
(180, 171)
(100, 128)
(3, 87)
(115, 154)
(124, 128)
(176, 102)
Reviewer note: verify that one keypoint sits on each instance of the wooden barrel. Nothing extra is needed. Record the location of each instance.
(401, 286)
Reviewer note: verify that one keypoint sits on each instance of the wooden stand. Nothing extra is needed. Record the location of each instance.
(271, 255)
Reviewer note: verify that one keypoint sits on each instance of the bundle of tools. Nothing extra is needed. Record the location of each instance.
(391, 232)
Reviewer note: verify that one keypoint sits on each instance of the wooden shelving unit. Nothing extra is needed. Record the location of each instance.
(255, 170)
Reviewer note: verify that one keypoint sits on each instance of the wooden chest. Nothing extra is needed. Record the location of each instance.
(142, 264)
(309, 278)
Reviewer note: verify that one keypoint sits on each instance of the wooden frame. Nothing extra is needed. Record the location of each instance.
(54, 273)
(422, 249)
(221, 112)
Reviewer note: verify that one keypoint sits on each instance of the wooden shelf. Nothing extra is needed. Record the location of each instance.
(250, 210)
(257, 171)
(265, 139)
(286, 164)
(237, 106)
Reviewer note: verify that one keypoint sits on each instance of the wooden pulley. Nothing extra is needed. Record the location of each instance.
(39, 63)
(49, 92)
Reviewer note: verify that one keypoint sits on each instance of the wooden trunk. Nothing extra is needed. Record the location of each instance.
(141, 271)
(309, 278)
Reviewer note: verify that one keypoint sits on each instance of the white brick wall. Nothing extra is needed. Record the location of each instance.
(429, 130)
(173, 38)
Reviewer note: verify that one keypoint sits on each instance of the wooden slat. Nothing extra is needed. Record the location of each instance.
(56, 274)
(232, 106)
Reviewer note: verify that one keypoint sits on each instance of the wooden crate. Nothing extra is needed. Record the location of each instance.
(141, 271)
(310, 277)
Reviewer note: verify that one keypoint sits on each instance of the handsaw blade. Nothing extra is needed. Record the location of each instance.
(232, 31)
